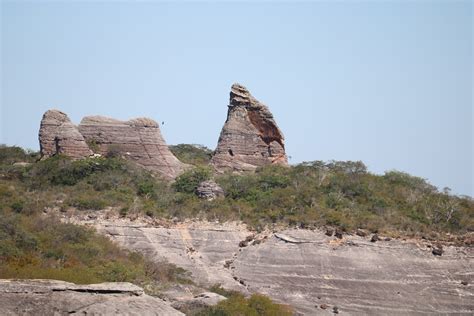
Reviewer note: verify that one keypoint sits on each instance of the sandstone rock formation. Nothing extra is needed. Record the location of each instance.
(139, 140)
(250, 137)
(58, 135)
(50, 297)
(209, 190)
(306, 268)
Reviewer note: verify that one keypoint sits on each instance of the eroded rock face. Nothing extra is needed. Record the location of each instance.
(139, 140)
(250, 137)
(51, 297)
(58, 135)
(307, 269)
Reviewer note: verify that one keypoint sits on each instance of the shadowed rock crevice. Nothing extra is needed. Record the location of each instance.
(250, 137)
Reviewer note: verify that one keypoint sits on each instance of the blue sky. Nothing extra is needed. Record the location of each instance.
(388, 83)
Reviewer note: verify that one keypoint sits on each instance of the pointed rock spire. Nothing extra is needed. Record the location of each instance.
(250, 137)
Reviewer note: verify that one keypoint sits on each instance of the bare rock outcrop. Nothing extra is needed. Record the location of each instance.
(51, 297)
(307, 269)
(209, 190)
(250, 137)
(58, 135)
(139, 140)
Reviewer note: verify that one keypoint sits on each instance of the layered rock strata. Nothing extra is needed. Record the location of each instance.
(58, 135)
(50, 297)
(138, 139)
(250, 137)
(308, 269)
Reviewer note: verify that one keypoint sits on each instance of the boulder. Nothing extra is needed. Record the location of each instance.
(139, 140)
(374, 238)
(57, 135)
(209, 190)
(250, 137)
(437, 251)
(51, 297)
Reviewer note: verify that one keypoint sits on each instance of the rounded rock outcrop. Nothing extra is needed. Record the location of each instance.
(57, 135)
(139, 140)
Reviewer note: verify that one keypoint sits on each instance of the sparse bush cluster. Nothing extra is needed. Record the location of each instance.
(42, 247)
(197, 155)
(309, 194)
(33, 245)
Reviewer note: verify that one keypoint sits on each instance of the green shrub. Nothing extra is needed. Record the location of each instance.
(197, 155)
(146, 188)
(42, 247)
(189, 180)
(87, 200)
(12, 154)
(60, 170)
(18, 205)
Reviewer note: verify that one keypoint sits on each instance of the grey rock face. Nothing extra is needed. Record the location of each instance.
(201, 300)
(209, 190)
(51, 297)
(139, 140)
(250, 137)
(308, 269)
(58, 135)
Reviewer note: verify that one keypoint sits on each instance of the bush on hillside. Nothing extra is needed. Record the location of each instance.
(189, 180)
(197, 155)
(256, 305)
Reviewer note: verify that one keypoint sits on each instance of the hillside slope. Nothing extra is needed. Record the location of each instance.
(361, 242)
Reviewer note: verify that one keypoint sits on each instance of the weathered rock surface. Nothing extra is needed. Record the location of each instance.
(201, 300)
(308, 269)
(250, 137)
(51, 297)
(58, 135)
(209, 190)
(139, 140)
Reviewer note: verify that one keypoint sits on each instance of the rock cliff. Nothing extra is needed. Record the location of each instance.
(250, 137)
(139, 140)
(50, 297)
(58, 135)
(313, 272)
